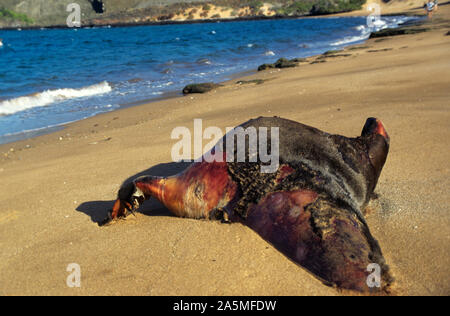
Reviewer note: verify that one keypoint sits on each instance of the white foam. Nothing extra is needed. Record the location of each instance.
(51, 96)
(352, 39)
(35, 130)
(269, 53)
(365, 30)
(379, 23)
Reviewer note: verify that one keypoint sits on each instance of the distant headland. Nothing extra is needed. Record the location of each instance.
(53, 13)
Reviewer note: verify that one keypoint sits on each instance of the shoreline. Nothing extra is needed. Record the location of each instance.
(20, 136)
(165, 96)
(170, 22)
(386, 8)
(205, 21)
(56, 186)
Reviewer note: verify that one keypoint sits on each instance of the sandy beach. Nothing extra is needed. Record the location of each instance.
(54, 188)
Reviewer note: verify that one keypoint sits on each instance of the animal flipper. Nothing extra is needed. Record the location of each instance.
(322, 237)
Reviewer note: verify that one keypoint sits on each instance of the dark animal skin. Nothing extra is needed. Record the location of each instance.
(310, 209)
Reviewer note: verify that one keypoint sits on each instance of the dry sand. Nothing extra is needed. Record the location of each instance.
(54, 187)
(391, 7)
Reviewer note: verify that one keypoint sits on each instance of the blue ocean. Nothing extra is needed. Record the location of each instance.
(50, 77)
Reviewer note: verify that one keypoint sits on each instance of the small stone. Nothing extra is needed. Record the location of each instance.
(200, 87)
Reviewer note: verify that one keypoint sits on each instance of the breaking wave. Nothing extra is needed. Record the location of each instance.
(47, 97)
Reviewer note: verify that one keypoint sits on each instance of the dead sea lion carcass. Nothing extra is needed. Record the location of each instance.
(310, 209)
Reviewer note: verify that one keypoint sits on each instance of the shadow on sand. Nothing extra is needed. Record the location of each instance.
(98, 210)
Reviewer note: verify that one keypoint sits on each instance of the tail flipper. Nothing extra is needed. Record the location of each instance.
(328, 240)
(377, 141)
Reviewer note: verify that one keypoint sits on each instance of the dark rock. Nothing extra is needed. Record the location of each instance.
(285, 63)
(200, 87)
(265, 67)
(398, 31)
(358, 47)
(317, 61)
(255, 81)
(379, 50)
(98, 6)
(332, 52)
(299, 60)
(282, 63)
(203, 61)
(333, 56)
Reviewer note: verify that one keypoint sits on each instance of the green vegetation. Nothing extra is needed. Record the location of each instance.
(335, 6)
(296, 8)
(14, 16)
(255, 6)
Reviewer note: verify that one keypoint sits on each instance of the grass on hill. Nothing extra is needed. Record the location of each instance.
(6, 14)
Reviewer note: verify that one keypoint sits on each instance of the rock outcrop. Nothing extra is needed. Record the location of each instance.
(200, 87)
(282, 63)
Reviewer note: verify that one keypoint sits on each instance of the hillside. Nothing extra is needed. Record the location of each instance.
(41, 13)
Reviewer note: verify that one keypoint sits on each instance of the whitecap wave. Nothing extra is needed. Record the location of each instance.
(351, 39)
(380, 24)
(366, 30)
(12, 106)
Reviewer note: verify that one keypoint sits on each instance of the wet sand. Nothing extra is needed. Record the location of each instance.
(55, 187)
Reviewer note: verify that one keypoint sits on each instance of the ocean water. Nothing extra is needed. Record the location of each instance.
(50, 77)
